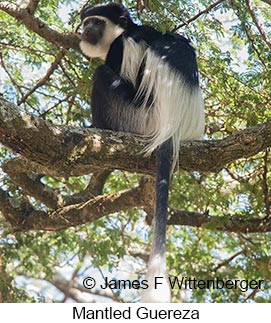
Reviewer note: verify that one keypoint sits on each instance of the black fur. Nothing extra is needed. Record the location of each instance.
(108, 84)
(117, 13)
(114, 100)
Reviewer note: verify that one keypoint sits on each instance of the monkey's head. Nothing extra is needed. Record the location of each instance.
(102, 24)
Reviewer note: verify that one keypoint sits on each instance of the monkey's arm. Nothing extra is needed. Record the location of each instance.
(109, 88)
(110, 84)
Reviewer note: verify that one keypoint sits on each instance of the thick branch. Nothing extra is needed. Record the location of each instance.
(236, 223)
(94, 188)
(23, 217)
(32, 186)
(73, 151)
(39, 27)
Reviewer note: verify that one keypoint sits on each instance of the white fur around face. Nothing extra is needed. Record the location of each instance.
(111, 32)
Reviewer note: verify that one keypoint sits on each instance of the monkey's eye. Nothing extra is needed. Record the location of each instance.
(98, 22)
(86, 22)
(93, 22)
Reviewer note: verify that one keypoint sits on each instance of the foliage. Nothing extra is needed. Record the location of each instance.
(235, 65)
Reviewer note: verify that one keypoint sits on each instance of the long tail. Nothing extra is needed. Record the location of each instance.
(158, 290)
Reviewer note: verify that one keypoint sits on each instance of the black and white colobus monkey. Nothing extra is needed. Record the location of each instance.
(148, 86)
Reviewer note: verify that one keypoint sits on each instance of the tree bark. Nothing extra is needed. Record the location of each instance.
(25, 16)
(72, 151)
(53, 150)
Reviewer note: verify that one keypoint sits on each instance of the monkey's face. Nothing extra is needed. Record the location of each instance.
(93, 29)
(97, 36)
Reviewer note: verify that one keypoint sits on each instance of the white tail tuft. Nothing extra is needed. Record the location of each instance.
(158, 290)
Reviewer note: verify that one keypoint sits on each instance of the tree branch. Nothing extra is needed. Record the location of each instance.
(226, 223)
(32, 6)
(227, 261)
(69, 40)
(202, 12)
(94, 188)
(75, 290)
(23, 217)
(267, 1)
(13, 81)
(31, 184)
(74, 151)
(46, 77)
(257, 24)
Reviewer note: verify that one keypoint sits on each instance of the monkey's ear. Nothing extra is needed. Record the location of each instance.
(123, 22)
